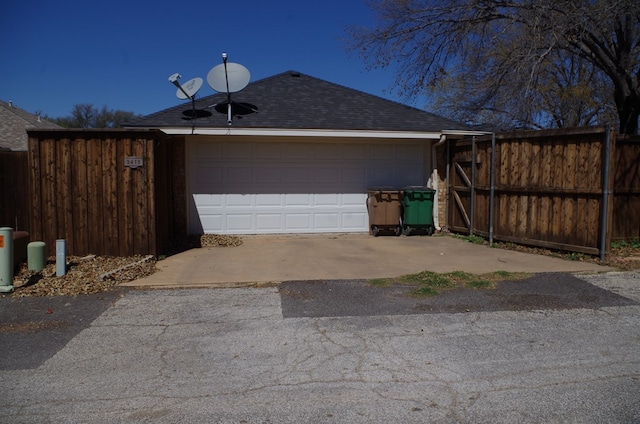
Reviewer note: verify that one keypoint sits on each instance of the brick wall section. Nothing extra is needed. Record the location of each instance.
(441, 167)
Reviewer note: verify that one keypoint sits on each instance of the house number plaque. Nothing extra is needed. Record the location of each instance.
(133, 161)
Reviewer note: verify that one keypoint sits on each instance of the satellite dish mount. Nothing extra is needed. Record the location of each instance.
(187, 91)
(230, 78)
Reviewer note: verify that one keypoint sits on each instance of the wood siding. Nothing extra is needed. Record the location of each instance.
(14, 190)
(548, 188)
(83, 192)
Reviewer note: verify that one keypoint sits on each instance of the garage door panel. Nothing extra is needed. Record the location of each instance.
(265, 187)
(353, 199)
(239, 174)
(410, 178)
(329, 199)
(269, 221)
(381, 176)
(298, 151)
(206, 152)
(354, 221)
(408, 152)
(326, 221)
(354, 152)
(204, 176)
(269, 151)
(299, 174)
(297, 199)
(327, 175)
(212, 223)
(208, 200)
(238, 200)
(240, 151)
(271, 174)
(298, 221)
(269, 200)
(238, 222)
(382, 152)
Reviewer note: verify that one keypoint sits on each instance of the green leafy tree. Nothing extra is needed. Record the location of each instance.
(518, 62)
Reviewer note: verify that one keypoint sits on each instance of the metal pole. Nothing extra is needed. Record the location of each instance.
(605, 196)
(492, 188)
(448, 188)
(226, 76)
(473, 185)
(61, 257)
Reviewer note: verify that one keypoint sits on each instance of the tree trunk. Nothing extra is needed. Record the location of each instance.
(628, 111)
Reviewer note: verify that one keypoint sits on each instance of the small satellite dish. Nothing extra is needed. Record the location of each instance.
(236, 75)
(189, 89)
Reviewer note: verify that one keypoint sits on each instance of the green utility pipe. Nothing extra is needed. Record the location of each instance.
(6, 260)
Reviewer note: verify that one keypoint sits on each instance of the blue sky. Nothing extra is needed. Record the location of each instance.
(120, 54)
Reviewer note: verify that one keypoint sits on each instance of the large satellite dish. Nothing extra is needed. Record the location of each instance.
(228, 77)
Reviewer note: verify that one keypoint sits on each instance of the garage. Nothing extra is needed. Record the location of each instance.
(298, 185)
(291, 153)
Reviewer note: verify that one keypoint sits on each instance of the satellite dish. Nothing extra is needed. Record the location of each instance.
(236, 75)
(189, 89)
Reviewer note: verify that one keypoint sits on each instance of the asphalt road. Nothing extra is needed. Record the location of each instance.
(329, 351)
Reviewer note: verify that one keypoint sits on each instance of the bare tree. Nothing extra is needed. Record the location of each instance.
(506, 58)
(84, 115)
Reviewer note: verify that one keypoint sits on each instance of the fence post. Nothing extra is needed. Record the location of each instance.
(605, 195)
(492, 187)
(473, 186)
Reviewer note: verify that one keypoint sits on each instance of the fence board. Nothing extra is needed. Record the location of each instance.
(80, 197)
(125, 193)
(35, 198)
(85, 194)
(625, 215)
(547, 191)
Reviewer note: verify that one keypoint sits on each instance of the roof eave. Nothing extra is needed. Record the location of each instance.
(287, 132)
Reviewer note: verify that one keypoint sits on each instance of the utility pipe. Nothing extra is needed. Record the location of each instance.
(434, 180)
(61, 257)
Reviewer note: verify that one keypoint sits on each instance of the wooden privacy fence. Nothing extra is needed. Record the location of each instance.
(14, 190)
(573, 190)
(105, 192)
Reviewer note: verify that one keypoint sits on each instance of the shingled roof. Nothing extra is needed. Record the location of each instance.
(292, 100)
(14, 123)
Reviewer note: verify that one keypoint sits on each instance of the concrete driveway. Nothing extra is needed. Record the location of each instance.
(274, 259)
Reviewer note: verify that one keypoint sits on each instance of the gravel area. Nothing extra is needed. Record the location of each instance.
(95, 274)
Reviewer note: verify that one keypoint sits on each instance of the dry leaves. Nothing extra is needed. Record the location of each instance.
(95, 274)
(217, 240)
(85, 275)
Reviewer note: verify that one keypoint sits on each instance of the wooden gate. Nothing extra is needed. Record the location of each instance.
(460, 188)
(545, 188)
(469, 185)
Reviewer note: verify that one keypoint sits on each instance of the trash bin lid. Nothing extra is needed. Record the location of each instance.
(418, 188)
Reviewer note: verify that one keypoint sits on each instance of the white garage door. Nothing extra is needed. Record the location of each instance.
(292, 187)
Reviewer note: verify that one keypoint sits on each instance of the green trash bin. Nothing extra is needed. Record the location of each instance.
(417, 203)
